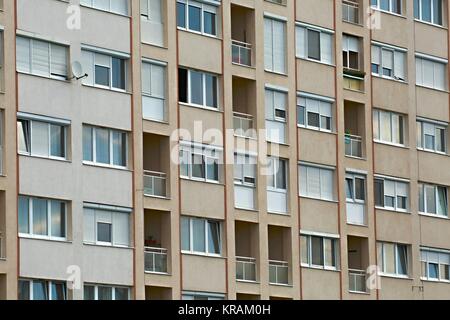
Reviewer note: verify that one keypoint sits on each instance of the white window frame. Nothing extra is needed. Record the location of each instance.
(426, 251)
(346, 38)
(191, 237)
(421, 145)
(189, 96)
(113, 290)
(111, 149)
(272, 63)
(320, 168)
(249, 161)
(353, 177)
(190, 295)
(310, 264)
(420, 58)
(49, 236)
(420, 18)
(274, 167)
(320, 100)
(390, 10)
(424, 186)
(378, 124)
(191, 150)
(203, 6)
(396, 194)
(395, 52)
(91, 5)
(163, 98)
(48, 284)
(380, 246)
(321, 31)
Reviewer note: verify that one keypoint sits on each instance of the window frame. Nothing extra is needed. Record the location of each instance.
(419, 58)
(48, 286)
(377, 123)
(193, 150)
(335, 252)
(204, 91)
(320, 168)
(273, 68)
(305, 112)
(204, 7)
(418, 16)
(321, 31)
(395, 51)
(437, 126)
(274, 168)
(346, 38)
(92, 6)
(205, 223)
(383, 266)
(426, 251)
(423, 190)
(248, 162)
(353, 177)
(396, 194)
(113, 290)
(377, 6)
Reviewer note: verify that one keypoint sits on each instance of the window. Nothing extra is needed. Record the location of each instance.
(275, 45)
(388, 127)
(316, 182)
(200, 162)
(391, 194)
(115, 6)
(355, 188)
(350, 52)
(153, 91)
(202, 296)
(152, 22)
(314, 44)
(244, 170)
(201, 236)
(393, 6)
(42, 290)
(41, 58)
(106, 225)
(430, 72)
(314, 112)
(393, 259)
(429, 11)
(432, 136)
(42, 218)
(319, 252)
(198, 88)
(197, 16)
(42, 136)
(435, 264)
(388, 62)
(433, 199)
(104, 146)
(277, 174)
(105, 71)
(276, 115)
(105, 292)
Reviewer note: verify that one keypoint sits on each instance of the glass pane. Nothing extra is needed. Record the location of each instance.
(102, 145)
(360, 193)
(195, 18)
(196, 84)
(389, 258)
(24, 222)
(281, 175)
(313, 120)
(57, 141)
(58, 291)
(198, 235)
(421, 198)
(317, 251)
(24, 290)
(209, 23)
(304, 249)
(87, 144)
(349, 188)
(40, 217)
(23, 132)
(58, 219)
(39, 138)
(214, 243)
(433, 271)
(121, 294)
(211, 90)
(442, 204)
(437, 12)
(430, 195)
(118, 73)
(379, 193)
(181, 14)
(212, 169)
(102, 76)
(330, 258)
(198, 166)
(301, 116)
(402, 260)
(104, 293)
(185, 234)
(104, 232)
(313, 45)
(89, 292)
(119, 148)
(426, 10)
(40, 290)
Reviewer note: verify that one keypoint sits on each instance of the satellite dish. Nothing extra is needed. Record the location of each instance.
(77, 71)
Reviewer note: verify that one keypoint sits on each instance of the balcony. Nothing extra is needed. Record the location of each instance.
(155, 184)
(278, 272)
(243, 125)
(246, 269)
(350, 11)
(357, 281)
(353, 146)
(155, 260)
(353, 82)
(241, 53)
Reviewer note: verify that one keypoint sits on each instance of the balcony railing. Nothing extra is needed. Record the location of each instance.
(241, 53)
(155, 184)
(246, 269)
(350, 11)
(357, 281)
(155, 260)
(353, 146)
(278, 272)
(243, 125)
(353, 82)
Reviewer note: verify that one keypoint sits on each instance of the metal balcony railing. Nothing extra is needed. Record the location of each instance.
(246, 269)
(241, 53)
(353, 146)
(278, 272)
(350, 11)
(155, 184)
(243, 125)
(155, 260)
(357, 281)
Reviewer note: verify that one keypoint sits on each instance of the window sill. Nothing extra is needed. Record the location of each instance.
(165, 274)
(434, 280)
(204, 255)
(156, 121)
(431, 215)
(300, 126)
(393, 276)
(405, 82)
(247, 209)
(284, 144)
(433, 152)
(197, 106)
(389, 13)
(44, 77)
(316, 61)
(356, 158)
(202, 181)
(104, 166)
(276, 73)
(107, 89)
(281, 214)
(248, 282)
(281, 285)
(243, 66)
(319, 199)
(164, 47)
(199, 33)
(44, 158)
(430, 24)
(393, 210)
(433, 89)
(107, 246)
(319, 268)
(157, 197)
(105, 11)
(357, 225)
(401, 146)
(44, 238)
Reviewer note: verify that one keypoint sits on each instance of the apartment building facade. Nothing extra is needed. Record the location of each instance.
(234, 149)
